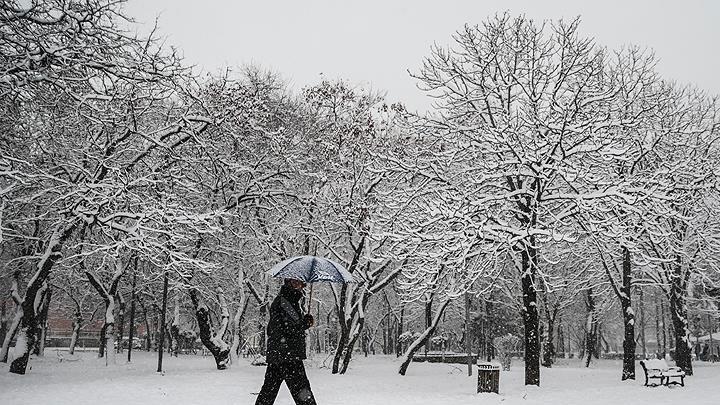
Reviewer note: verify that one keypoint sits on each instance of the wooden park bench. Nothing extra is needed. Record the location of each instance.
(659, 369)
(65, 357)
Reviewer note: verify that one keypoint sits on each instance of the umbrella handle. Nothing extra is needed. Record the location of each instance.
(309, 302)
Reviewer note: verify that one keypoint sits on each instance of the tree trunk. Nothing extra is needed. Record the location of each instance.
(25, 341)
(318, 342)
(401, 322)
(643, 339)
(365, 339)
(561, 337)
(670, 331)
(628, 372)
(42, 337)
(262, 321)
(108, 339)
(131, 327)
(169, 338)
(3, 321)
(485, 341)
(428, 322)
(415, 346)
(213, 342)
(237, 339)
(28, 323)
(356, 329)
(344, 329)
(317, 330)
(530, 313)
(77, 324)
(120, 324)
(357, 332)
(678, 314)
(591, 326)
(657, 327)
(42, 314)
(28, 328)
(387, 327)
(12, 331)
(549, 350)
(711, 329)
(468, 340)
(148, 329)
(385, 337)
(340, 348)
(107, 332)
(161, 339)
(175, 327)
(101, 343)
(663, 325)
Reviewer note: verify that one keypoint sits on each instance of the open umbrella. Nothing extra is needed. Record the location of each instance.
(311, 269)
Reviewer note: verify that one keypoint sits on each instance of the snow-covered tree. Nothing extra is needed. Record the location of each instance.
(526, 113)
(352, 129)
(678, 243)
(91, 115)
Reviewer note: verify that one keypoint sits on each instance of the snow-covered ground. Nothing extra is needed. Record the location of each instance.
(370, 381)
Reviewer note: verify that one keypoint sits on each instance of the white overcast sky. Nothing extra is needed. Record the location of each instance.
(374, 43)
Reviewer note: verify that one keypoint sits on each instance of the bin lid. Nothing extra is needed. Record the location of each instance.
(488, 366)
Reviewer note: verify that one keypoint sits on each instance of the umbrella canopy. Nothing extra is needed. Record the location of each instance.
(311, 269)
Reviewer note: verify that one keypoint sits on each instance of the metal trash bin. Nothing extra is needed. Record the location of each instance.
(488, 377)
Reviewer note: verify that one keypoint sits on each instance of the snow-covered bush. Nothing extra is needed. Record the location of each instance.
(505, 345)
(407, 337)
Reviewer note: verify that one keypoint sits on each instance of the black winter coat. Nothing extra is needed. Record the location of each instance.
(286, 329)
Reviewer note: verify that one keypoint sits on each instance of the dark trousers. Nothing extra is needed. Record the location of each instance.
(293, 373)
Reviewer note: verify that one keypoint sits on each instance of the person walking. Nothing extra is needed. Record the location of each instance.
(286, 347)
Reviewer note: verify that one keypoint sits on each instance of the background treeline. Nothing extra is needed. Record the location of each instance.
(558, 191)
